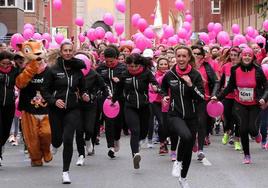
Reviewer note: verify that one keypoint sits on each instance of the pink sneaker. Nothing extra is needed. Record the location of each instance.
(173, 156)
(247, 159)
(258, 138)
(266, 146)
(195, 147)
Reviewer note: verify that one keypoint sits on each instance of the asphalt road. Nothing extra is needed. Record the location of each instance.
(226, 170)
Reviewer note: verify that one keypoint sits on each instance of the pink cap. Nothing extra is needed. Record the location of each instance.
(247, 51)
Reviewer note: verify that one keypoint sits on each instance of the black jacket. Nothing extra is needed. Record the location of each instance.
(65, 81)
(94, 85)
(108, 73)
(30, 99)
(262, 85)
(213, 82)
(7, 83)
(135, 88)
(183, 98)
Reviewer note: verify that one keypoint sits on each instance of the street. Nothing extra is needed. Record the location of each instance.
(99, 171)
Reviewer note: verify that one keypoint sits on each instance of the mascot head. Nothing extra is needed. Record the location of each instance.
(32, 50)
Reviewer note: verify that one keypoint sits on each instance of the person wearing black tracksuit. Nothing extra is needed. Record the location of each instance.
(8, 74)
(94, 84)
(111, 72)
(64, 82)
(185, 86)
(134, 83)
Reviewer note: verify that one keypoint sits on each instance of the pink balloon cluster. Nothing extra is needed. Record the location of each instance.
(121, 6)
(179, 4)
(57, 4)
(17, 38)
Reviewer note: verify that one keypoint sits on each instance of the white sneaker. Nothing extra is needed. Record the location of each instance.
(150, 144)
(54, 150)
(116, 145)
(0, 161)
(183, 183)
(176, 169)
(65, 178)
(88, 147)
(80, 160)
(136, 160)
(11, 138)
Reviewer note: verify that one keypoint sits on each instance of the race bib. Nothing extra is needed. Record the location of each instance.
(246, 94)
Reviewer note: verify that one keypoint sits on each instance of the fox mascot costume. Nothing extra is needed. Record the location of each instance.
(34, 119)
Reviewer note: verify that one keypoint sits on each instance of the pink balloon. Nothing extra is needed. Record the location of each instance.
(215, 109)
(79, 21)
(182, 33)
(265, 70)
(235, 29)
(46, 44)
(109, 109)
(204, 37)
(211, 26)
(223, 38)
(109, 36)
(265, 25)
(141, 43)
(130, 43)
(179, 5)
(28, 26)
(37, 36)
(187, 12)
(149, 33)
(47, 37)
(187, 26)
(217, 28)
(53, 46)
(81, 37)
(239, 39)
(91, 34)
(260, 39)
(57, 4)
(28, 33)
(87, 62)
(250, 31)
(142, 24)
(250, 39)
(17, 38)
(108, 19)
(119, 28)
(168, 32)
(121, 6)
(172, 41)
(135, 19)
(188, 18)
(152, 16)
(99, 33)
(212, 35)
(59, 38)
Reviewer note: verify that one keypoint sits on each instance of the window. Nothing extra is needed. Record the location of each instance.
(29, 5)
(8, 3)
(216, 6)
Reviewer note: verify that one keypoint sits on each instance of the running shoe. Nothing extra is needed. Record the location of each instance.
(0, 161)
(263, 145)
(54, 150)
(195, 147)
(88, 147)
(173, 156)
(200, 156)
(97, 141)
(266, 146)
(80, 161)
(207, 141)
(237, 146)
(225, 139)
(111, 153)
(184, 183)
(176, 169)
(258, 138)
(15, 142)
(247, 159)
(11, 138)
(163, 149)
(66, 178)
(150, 144)
(136, 160)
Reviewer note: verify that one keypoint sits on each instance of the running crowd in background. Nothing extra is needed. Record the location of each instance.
(162, 93)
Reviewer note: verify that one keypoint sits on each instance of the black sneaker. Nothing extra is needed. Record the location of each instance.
(136, 160)
(111, 153)
(97, 141)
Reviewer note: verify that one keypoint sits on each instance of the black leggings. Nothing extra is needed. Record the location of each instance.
(173, 137)
(157, 112)
(63, 125)
(186, 130)
(138, 122)
(6, 118)
(87, 126)
(228, 115)
(247, 119)
(205, 122)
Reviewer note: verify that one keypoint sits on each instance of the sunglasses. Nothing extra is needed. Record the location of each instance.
(198, 53)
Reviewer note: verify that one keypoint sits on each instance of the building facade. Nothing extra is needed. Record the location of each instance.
(242, 12)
